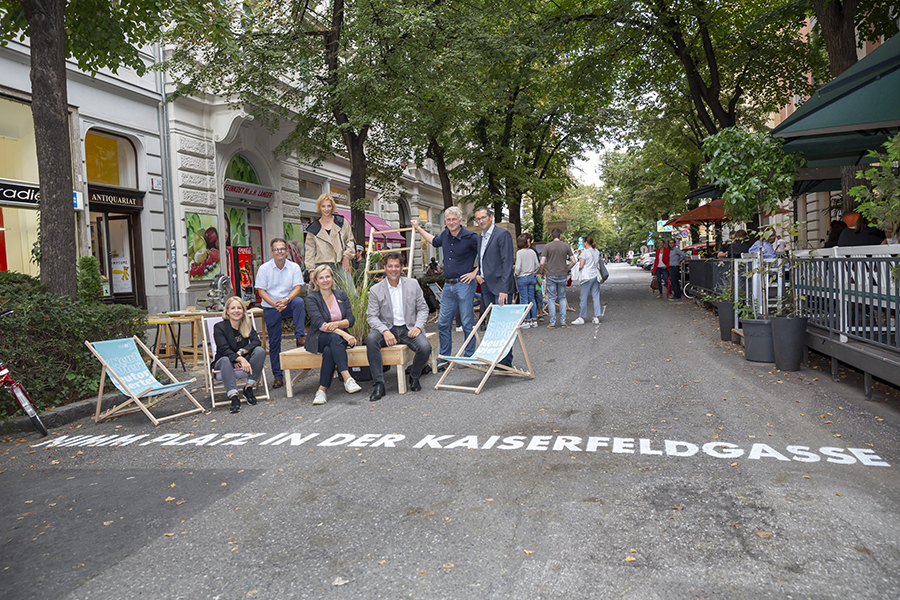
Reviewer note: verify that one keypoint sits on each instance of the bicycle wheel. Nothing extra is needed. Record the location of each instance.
(25, 402)
(688, 288)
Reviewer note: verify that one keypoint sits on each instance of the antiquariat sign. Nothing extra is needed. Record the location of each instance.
(20, 193)
(102, 195)
(247, 192)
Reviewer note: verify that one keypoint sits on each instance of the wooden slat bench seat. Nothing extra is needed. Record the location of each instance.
(398, 356)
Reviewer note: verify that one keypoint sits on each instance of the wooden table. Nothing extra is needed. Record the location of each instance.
(193, 348)
(165, 330)
(398, 356)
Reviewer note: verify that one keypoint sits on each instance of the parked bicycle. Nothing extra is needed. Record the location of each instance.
(18, 392)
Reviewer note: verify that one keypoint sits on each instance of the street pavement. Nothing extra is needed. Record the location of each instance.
(647, 459)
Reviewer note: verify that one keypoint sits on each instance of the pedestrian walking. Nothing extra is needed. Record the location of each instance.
(556, 263)
(526, 278)
(676, 256)
(589, 264)
(661, 270)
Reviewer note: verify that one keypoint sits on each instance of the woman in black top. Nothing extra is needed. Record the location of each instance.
(237, 347)
(330, 316)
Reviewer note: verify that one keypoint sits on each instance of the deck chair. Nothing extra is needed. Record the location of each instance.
(213, 375)
(436, 290)
(502, 331)
(123, 361)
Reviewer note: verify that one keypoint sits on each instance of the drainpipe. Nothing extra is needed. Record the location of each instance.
(168, 207)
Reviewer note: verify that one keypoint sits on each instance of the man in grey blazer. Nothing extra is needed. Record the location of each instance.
(397, 313)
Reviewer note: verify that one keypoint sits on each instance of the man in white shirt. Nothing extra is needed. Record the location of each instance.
(279, 283)
(396, 313)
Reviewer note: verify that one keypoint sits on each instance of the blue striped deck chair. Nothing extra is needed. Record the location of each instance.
(502, 332)
(122, 360)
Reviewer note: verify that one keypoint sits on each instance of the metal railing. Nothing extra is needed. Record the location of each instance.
(850, 293)
(852, 297)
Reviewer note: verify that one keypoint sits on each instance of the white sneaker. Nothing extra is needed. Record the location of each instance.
(351, 386)
(459, 329)
(534, 323)
(595, 321)
(525, 325)
(321, 398)
(578, 321)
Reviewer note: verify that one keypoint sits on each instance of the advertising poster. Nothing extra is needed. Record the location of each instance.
(121, 275)
(245, 274)
(236, 221)
(293, 235)
(203, 246)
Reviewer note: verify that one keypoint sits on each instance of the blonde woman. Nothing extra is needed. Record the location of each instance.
(329, 239)
(237, 347)
(330, 316)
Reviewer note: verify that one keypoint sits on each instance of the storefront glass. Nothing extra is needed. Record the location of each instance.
(18, 162)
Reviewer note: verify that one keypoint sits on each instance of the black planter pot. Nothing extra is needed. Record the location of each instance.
(789, 337)
(726, 319)
(758, 346)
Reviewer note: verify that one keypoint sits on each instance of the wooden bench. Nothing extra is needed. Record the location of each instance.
(398, 356)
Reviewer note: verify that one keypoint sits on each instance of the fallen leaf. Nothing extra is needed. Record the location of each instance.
(169, 499)
(423, 572)
(107, 522)
(339, 581)
(862, 549)
(677, 508)
(632, 550)
(168, 534)
(630, 559)
(529, 551)
(173, 485)
(381, 562)
(449, 565)
(429, 514)
(763, 534)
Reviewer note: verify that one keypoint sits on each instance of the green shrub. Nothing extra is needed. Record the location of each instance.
(43, 341)
(90, 284)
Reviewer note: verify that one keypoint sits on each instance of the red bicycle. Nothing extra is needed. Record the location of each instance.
(18, 392)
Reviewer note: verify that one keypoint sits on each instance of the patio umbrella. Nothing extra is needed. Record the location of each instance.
(702, 215)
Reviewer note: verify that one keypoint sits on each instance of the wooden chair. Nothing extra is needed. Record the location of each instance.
(502, 331)
(123, 361)
(214, 375)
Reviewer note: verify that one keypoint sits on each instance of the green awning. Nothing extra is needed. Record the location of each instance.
(858, 111)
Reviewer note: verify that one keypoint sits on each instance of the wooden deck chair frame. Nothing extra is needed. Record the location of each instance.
(143, 400)
(438, 292)
(488, 367)
(208, 354)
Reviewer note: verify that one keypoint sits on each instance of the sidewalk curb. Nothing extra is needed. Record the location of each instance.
(57, 417)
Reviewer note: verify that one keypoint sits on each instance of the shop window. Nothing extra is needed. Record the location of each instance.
(18, 233)
(110, 160)
(308, 189)
(18, 153)
(240, 169)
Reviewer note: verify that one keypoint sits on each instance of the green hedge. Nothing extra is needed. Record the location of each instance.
(43, 341)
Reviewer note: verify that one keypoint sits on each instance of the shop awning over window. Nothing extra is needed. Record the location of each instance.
(379, 224)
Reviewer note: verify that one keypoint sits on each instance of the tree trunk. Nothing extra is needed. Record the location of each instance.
(356, 149)
(839, 32)
(515, 212)
(436, 153)
(537, 217)
(49, 107)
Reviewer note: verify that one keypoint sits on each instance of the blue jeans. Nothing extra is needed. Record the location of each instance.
(556, 288)
(662, 277)
(589, 289)
(538, 297)
(456, 297)
(273, 317)
(526, 294)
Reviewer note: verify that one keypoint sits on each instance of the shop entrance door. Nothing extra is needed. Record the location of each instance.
(115, 240)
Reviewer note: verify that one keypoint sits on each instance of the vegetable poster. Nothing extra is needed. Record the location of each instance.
(203, 246)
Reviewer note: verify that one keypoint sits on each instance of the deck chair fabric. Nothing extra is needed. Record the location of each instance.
(123, 362)
(214, 375)
(502, 332)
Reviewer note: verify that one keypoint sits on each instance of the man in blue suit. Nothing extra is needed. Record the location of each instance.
(496, 258)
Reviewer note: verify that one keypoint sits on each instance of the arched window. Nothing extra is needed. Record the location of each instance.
(110, 160)
(240, 169)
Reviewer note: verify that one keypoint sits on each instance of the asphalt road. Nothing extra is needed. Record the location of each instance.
(647, 459)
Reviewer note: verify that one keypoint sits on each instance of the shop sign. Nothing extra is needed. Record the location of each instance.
(247, 191)
(18, 193)
(115, 197)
